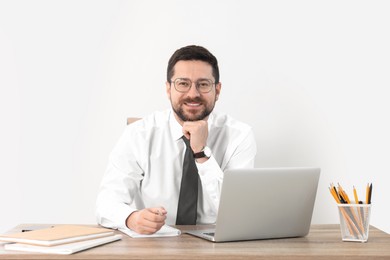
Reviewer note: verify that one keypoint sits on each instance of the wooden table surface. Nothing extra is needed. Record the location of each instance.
(323, 242)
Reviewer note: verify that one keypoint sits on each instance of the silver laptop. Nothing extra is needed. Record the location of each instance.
(264, 204)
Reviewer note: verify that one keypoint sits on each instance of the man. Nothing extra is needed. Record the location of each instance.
(152, 177)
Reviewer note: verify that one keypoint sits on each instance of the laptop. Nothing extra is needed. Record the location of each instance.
(263, 204)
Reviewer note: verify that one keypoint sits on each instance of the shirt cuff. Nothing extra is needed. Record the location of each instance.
(209, 171)
(116, 218)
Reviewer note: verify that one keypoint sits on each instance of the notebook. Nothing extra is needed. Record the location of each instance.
(63, 249)
(56, 235)
(264, 204)
(165, 231)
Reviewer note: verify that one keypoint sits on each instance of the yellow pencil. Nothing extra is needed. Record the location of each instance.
(343, 194)
(355, 195)
(358, 209)
(332, 191)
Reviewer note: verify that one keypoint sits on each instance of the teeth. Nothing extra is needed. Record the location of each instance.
(193, 104)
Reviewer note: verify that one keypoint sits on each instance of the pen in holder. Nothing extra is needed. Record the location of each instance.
(354, 217)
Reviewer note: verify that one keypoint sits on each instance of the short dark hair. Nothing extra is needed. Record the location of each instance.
(193, 52)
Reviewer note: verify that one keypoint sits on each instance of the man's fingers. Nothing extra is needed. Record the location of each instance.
(147, 221)
(158, 211)
(187, 134)
(147, 230)
(152, 217)
(152, 224)
(197, 133)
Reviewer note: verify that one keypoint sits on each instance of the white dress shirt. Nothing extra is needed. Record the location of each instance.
(145, 167)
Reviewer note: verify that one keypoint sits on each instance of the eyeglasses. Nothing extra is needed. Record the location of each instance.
(184, 85)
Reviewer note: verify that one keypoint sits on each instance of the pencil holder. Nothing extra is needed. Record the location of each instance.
(354, 221)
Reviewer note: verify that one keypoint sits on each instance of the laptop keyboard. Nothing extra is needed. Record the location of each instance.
(210, 234)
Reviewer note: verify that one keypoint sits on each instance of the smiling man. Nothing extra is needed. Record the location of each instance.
(167, 168)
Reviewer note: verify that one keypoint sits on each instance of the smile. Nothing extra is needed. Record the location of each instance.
(192, 104)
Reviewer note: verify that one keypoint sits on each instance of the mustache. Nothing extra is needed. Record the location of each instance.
(195, 100)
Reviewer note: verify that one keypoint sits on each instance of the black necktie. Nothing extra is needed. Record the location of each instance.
(188, 199)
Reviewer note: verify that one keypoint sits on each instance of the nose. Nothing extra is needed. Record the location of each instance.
(193, 92)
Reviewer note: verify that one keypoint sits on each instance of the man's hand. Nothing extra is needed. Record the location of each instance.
(147, 221)
(197, 132)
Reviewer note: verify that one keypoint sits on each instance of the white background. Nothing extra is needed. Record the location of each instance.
(311, 77)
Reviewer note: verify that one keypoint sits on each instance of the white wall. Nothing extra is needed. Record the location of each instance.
(309, 76)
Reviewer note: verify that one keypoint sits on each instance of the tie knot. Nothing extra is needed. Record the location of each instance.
(186, 141)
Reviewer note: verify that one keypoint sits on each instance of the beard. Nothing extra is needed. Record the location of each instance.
(190, 116)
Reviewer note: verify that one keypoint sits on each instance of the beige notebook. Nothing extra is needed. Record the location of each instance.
(65, 249)
(57, 235)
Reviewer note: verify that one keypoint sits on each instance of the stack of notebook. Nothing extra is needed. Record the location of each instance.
(61, 239)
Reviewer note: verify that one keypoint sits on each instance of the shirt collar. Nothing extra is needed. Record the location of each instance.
(176, 129)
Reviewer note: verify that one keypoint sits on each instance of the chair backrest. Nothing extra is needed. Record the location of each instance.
(132, 120)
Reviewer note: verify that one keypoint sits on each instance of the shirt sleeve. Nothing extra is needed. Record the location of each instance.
(119, 188)
(245, 153)
(211, 176)
(211, 173)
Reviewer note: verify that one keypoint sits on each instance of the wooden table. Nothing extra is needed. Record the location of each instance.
(323, 242)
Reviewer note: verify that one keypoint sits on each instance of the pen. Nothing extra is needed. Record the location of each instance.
(369, 194)
(160, 211)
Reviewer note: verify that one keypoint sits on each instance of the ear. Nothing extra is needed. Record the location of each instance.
(217, 90)
(168, 89)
